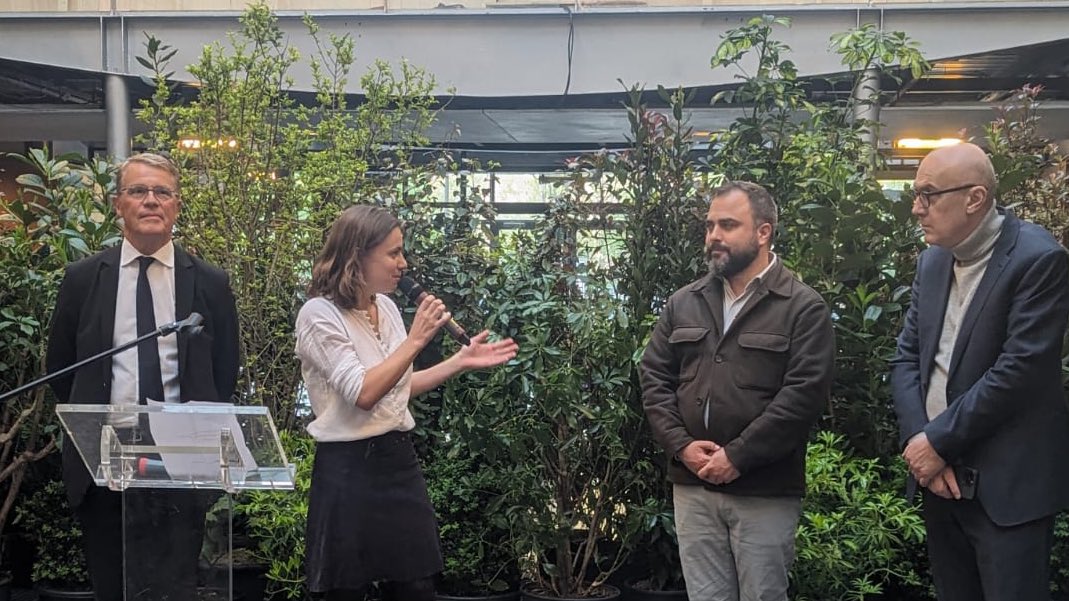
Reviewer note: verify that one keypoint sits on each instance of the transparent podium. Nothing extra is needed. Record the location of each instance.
(176, 468)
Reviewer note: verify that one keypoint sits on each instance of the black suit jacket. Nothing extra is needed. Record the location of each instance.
(1006, 410)
(83, 325)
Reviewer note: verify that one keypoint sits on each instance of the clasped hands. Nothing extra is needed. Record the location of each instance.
(709, 461)
(930, 470)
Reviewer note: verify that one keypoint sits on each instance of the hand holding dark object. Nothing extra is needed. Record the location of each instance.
(418, 295)
(430, 316)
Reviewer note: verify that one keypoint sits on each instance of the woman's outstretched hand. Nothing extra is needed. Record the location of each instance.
(481, 354)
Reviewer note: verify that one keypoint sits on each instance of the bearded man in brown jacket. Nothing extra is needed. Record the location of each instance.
(738, 369)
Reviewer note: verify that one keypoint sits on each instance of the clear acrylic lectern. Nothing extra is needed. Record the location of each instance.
(173, 464)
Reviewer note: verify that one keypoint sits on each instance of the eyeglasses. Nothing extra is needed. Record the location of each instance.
(140, 192)
(925, 198)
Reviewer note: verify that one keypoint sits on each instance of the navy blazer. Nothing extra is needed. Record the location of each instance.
(83, 325)
(1006, 410)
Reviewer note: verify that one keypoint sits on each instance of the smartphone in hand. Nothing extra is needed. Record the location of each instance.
(967, 478)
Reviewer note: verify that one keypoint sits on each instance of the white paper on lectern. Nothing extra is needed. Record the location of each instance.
(201, 430)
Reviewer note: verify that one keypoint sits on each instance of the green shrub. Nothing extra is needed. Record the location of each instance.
(857, 533)
(57, 536)
(58, 214)
(276, 521)
(1059, 557)
(474, 534)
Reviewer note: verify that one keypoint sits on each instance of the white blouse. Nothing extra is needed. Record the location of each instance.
(336, 348)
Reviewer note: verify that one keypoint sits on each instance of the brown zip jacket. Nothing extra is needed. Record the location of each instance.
(766, 380)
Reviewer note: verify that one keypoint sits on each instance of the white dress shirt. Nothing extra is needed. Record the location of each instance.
(124, 380)
(336, 348)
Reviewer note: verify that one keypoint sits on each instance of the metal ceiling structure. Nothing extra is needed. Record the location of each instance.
(535, 131)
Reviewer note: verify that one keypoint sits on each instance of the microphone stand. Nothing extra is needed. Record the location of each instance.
(163, 330)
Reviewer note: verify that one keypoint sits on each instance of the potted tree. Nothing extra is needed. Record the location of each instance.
(59, 568)
(560, 424)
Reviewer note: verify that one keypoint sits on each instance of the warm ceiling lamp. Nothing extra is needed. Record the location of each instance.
(196, 144)
(926, 143)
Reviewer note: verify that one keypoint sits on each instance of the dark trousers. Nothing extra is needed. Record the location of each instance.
(154, 558)
(974, 559)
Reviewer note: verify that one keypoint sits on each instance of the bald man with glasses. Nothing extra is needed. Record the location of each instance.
(977, 384)
(111, 298)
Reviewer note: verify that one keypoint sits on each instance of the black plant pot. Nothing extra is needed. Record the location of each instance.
(250, 580)
(609, 593)
(5, 586)
(45, 593)
(17, 559)
(510, 596)
(638, 594)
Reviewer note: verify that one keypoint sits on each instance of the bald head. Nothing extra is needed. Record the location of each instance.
(968, 161)
(955, 190)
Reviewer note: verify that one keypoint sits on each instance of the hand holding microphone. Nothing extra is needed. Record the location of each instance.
(418, 296)
(478, 352)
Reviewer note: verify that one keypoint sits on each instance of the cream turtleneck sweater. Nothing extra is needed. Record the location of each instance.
(971, 257)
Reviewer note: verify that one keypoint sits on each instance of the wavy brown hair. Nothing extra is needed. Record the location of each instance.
(337, 273)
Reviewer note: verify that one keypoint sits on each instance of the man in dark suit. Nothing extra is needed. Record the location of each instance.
(109, 299)
(977, 384)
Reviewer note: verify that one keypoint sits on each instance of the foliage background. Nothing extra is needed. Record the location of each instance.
(60, 214)
(554, 445)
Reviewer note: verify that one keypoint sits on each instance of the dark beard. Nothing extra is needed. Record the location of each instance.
(734, 263)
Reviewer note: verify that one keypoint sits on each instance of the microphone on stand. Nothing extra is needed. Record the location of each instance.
(191, 325)
(416, 294)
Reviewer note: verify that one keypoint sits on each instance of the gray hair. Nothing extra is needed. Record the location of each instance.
(152, 160)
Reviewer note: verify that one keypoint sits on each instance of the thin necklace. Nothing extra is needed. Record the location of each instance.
(371, 314)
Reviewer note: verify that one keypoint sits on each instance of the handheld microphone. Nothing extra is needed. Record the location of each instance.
(416, 294)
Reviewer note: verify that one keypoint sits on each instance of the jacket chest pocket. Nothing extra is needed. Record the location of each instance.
(688, 343)
(762, 360)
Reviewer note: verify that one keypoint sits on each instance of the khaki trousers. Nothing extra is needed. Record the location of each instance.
(735, 548)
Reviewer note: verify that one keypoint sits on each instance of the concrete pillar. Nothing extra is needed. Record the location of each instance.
(117, 107)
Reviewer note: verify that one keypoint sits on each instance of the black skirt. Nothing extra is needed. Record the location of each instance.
(369, 517)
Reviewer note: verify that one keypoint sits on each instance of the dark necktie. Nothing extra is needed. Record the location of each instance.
(148, 352)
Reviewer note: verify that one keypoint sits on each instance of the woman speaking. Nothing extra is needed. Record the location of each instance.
(369, 517)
